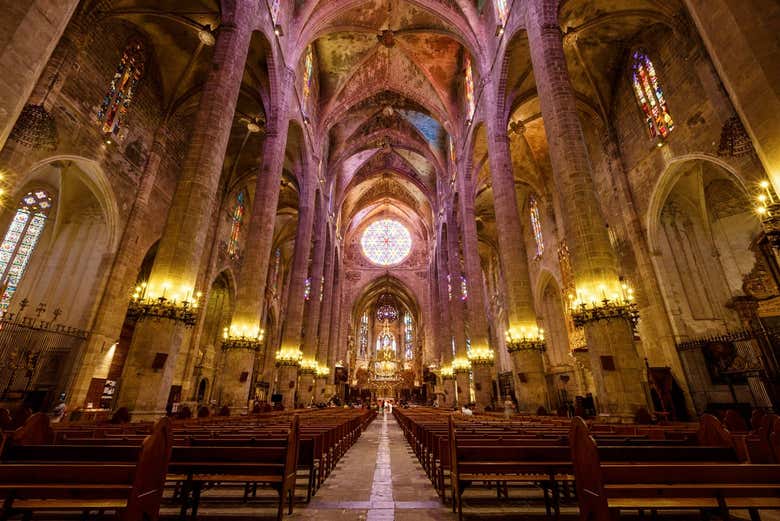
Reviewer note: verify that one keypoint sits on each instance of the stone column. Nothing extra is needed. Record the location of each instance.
(326, 327)
(475, 302)
(112, 308)
(29, 33)
(313, 306)
(152, 360)
(460, 364)
(528, 363)
(336, 334)
(738, 37)
(246, 336)
(293, 324)
(600, 302)
(445, 333)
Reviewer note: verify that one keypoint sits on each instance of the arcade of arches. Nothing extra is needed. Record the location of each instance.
(217, 202)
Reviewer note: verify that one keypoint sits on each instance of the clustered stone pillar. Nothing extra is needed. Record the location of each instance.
(307, 380)
(37, 27)
(325, 326)
(290, 352)
(153, 355)
(482, 355)
(616, 366)
(246, 336)
(460, 364)
(445, 334)
(527, 354)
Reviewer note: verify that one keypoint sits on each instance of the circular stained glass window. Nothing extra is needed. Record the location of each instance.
(386, 242)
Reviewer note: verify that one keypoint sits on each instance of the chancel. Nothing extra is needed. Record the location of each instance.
(379, 259)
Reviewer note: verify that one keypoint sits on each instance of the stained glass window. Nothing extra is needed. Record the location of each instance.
(20, 240)
(113, 108)
(453, 157)
(322, 288)
(470, 103)
(650, 97)
(386, 242)
(449, 286)
(307, 289)
(386, 341)
(502, 11)
(275, 10)
(236, 223)
(464, 288)
(387, 312)
(408, 337)
(308, 72)
(363, 335)
(536, 225)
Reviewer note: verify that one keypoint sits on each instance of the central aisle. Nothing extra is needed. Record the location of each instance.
(379, 479)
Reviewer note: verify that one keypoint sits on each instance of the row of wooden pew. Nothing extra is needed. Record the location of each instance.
(613, 467)
(125, 468)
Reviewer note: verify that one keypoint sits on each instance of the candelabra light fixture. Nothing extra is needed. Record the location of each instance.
(768, 210)
(242, 337)
(308, 366)
(447, 372)
(323, 371)
(461, 365)
(178, 306)
(291, 356)
(606, 302)
(525, 338)
(481, 355)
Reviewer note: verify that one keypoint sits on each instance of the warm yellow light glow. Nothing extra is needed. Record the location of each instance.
(764, 184)
(524, 332)
(289, 354)
(481, 354)
(323, 371)
(245, 331)
(446, 371)
(597, 294)
(762, 198)
(309, 364)
(461, 364)
(761, 210)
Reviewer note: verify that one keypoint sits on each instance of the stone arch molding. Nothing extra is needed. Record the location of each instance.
(96, 181)
(666, 182)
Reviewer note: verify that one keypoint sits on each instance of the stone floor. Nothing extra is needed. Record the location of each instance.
(377, 480)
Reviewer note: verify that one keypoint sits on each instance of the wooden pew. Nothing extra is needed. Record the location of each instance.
(609, 481)
(271, 465)
(74, 480)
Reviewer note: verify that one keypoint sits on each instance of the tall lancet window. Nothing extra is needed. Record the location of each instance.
(20, 240)
(650, 97)
(502, 11)
(275, 4)
(408, 336)
(469, 85)
(308, 72)
(113, 108)
(536, 225)
(363, 335)
(236, 224)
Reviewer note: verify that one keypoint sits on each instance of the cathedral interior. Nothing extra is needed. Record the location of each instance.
(220, 208)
